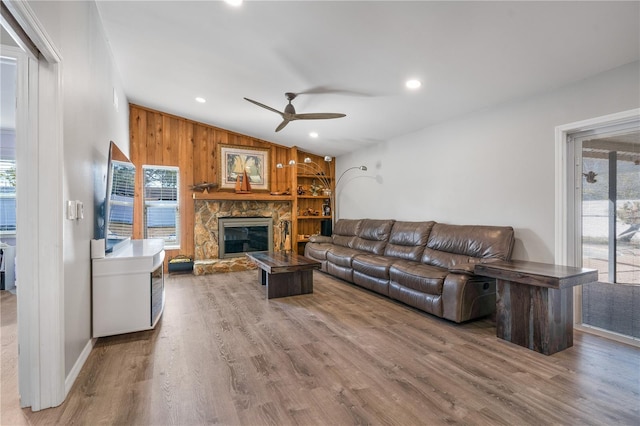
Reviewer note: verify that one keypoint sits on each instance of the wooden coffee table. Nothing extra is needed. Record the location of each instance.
(284, 273)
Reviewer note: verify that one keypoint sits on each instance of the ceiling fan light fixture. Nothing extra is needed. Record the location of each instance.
(292, 162)
(313, 135)
(201, 100)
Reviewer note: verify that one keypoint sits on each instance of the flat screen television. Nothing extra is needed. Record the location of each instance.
(118, 205)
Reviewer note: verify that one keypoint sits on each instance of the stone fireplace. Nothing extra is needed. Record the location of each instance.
(207, 236)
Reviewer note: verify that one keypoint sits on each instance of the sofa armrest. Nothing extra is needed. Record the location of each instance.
(469, 268)
(465, 297)
(320, 239)
(463, 268)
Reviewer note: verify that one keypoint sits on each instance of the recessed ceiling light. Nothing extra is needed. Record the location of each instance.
(201, 100)
(235, 3)
(413, 84)
(313, 135)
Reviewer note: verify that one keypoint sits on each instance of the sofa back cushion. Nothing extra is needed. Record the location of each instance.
(408, 239)
(449, 245)
(345, 232)
(373, 235)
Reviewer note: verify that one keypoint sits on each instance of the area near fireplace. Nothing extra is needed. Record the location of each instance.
(207, 231)
(240, 235)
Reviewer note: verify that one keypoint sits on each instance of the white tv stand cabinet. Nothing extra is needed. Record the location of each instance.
(128, 288)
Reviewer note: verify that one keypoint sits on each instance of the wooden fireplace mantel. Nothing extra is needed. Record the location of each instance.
(232, 196)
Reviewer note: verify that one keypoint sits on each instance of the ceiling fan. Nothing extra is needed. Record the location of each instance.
(290, 114)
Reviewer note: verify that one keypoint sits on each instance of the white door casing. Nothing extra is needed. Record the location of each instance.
(568, 197)
(39, 219)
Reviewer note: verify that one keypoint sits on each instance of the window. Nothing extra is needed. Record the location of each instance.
(121, 199)
(7, 197)
(161, 204)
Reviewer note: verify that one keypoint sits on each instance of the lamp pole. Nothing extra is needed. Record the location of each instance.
(335, 199)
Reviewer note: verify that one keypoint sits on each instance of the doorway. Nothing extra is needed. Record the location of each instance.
(610, 228)
(38, 209)
(9, 83)
(602, 230)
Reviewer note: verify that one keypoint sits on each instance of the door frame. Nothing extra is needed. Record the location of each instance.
(40, 217)
(567, 172)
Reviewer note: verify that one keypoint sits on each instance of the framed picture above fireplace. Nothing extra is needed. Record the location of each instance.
(234, 160)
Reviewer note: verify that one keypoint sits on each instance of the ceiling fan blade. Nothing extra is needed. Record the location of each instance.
(324, 90)
(281, 126)
(318, 116)
(265, 106)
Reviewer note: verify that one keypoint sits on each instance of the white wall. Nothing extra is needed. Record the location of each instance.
(90, 122)
(491, 167)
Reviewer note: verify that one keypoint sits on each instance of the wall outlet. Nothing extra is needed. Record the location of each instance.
(72, 210)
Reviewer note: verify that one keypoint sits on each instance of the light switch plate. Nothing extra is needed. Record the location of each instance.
(72, 210)
(79, 210)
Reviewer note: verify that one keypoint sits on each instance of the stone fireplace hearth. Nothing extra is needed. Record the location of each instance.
(206, 233)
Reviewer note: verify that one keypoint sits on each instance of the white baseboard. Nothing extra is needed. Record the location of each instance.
(75, 371)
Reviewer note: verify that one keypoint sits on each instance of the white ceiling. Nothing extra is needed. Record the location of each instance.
(468, 55)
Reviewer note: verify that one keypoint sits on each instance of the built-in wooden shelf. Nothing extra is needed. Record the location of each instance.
(326, 197)
(232, 196)
(314, 217)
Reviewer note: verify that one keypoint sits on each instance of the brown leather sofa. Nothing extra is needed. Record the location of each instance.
(426, 265)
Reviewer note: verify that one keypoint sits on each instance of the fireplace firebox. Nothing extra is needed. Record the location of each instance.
(240, 235)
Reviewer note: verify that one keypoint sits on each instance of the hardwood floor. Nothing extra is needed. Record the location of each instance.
(224, 354)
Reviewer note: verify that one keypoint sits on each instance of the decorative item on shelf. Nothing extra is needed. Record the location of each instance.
(301, 190)
(310, 212)
(243, 186)
(315, 188)
(285, 192)
(203, 187)
(326, 207)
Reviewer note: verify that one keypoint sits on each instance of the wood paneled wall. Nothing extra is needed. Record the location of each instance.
(162, 139)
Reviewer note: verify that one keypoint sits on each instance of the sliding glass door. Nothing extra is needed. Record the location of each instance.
(609, 228)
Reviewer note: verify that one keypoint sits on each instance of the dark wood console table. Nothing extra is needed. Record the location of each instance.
(284, 273)
(535, 302)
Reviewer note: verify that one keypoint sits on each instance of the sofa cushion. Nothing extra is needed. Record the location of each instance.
(342, 256)
(408, 239)
(418, 276)
(379, 285)
(373, 235)
(320, 239)
(317, 251)
(373, 265)
(430, 303)
(345, 232)
(449, 245)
